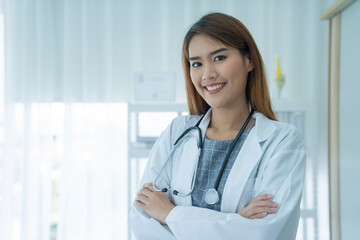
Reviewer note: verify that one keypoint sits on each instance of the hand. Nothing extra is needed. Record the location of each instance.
(259, 207)
(155, 204)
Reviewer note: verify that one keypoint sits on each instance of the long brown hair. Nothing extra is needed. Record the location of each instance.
(231, 32)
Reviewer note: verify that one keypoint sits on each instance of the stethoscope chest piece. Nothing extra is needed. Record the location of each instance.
(211, 196)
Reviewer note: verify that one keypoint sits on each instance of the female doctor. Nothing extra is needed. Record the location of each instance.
(229, 170)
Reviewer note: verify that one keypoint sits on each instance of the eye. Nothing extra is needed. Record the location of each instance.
(219, 58)
(196, 64)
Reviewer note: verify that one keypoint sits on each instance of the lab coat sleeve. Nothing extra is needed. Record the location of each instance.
(283, 177)
(144, 227)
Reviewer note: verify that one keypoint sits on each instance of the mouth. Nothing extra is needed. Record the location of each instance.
(214, 88)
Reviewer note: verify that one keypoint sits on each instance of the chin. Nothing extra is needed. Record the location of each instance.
(216, 105)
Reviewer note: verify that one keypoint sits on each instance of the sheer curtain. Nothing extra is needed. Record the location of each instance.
(67, 75)
(63, 163)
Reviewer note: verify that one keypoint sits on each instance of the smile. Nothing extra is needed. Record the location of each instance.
(214, 88)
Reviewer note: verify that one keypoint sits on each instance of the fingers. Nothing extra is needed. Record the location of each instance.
(265, 204)
(146, 190)
(145, 193)
(148, 186)
(262, 212)
(258, 210)
(259, 215)
(263, 197)
(263, 200)
(259, 207)
(140, 204)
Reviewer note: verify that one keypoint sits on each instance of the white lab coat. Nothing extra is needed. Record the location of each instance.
(272, 161)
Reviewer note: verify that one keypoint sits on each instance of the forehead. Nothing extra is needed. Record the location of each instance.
(201, 44)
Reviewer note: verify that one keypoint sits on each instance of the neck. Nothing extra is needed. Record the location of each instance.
(226, 119)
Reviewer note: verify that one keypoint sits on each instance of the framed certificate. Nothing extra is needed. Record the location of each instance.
(155, 87)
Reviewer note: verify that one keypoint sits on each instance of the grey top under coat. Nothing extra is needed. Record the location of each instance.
(214, 152)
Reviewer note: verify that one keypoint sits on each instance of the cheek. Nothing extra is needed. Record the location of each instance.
(195, 79)
(237, 72)
(234, 69)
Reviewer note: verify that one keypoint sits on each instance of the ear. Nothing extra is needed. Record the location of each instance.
(249, 64)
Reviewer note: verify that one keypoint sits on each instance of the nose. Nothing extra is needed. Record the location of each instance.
(209, 73)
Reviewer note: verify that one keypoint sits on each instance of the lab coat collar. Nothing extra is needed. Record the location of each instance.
(205, 123)
(264, 127)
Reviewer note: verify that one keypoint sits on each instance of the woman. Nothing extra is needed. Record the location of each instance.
(246, 180)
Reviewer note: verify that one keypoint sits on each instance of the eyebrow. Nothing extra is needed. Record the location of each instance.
(212, 53)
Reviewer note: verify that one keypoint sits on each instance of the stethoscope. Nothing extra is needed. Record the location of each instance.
(211, 195)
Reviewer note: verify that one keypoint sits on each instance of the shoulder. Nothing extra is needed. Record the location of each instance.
(284, 147)
(287, 132)
(180, 124)
(283, 128)
(273, 133)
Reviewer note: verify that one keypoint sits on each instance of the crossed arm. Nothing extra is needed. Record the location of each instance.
(158, 206)
(283, 178)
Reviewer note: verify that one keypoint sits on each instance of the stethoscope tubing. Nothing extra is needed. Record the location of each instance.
(181, 137)
(231, 149)
(165, 189)
(200, 147)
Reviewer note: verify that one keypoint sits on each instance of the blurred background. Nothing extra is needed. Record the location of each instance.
(86, 86)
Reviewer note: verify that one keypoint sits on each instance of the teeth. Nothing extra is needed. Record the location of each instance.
(211, 88)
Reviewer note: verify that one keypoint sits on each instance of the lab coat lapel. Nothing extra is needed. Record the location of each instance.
(246, 160)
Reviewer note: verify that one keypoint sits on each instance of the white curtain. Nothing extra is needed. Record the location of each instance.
(63, 167)
(68, 73)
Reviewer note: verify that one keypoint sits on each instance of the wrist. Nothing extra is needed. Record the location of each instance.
(166, 213)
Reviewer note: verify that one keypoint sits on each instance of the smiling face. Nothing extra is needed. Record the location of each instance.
(218, 72)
